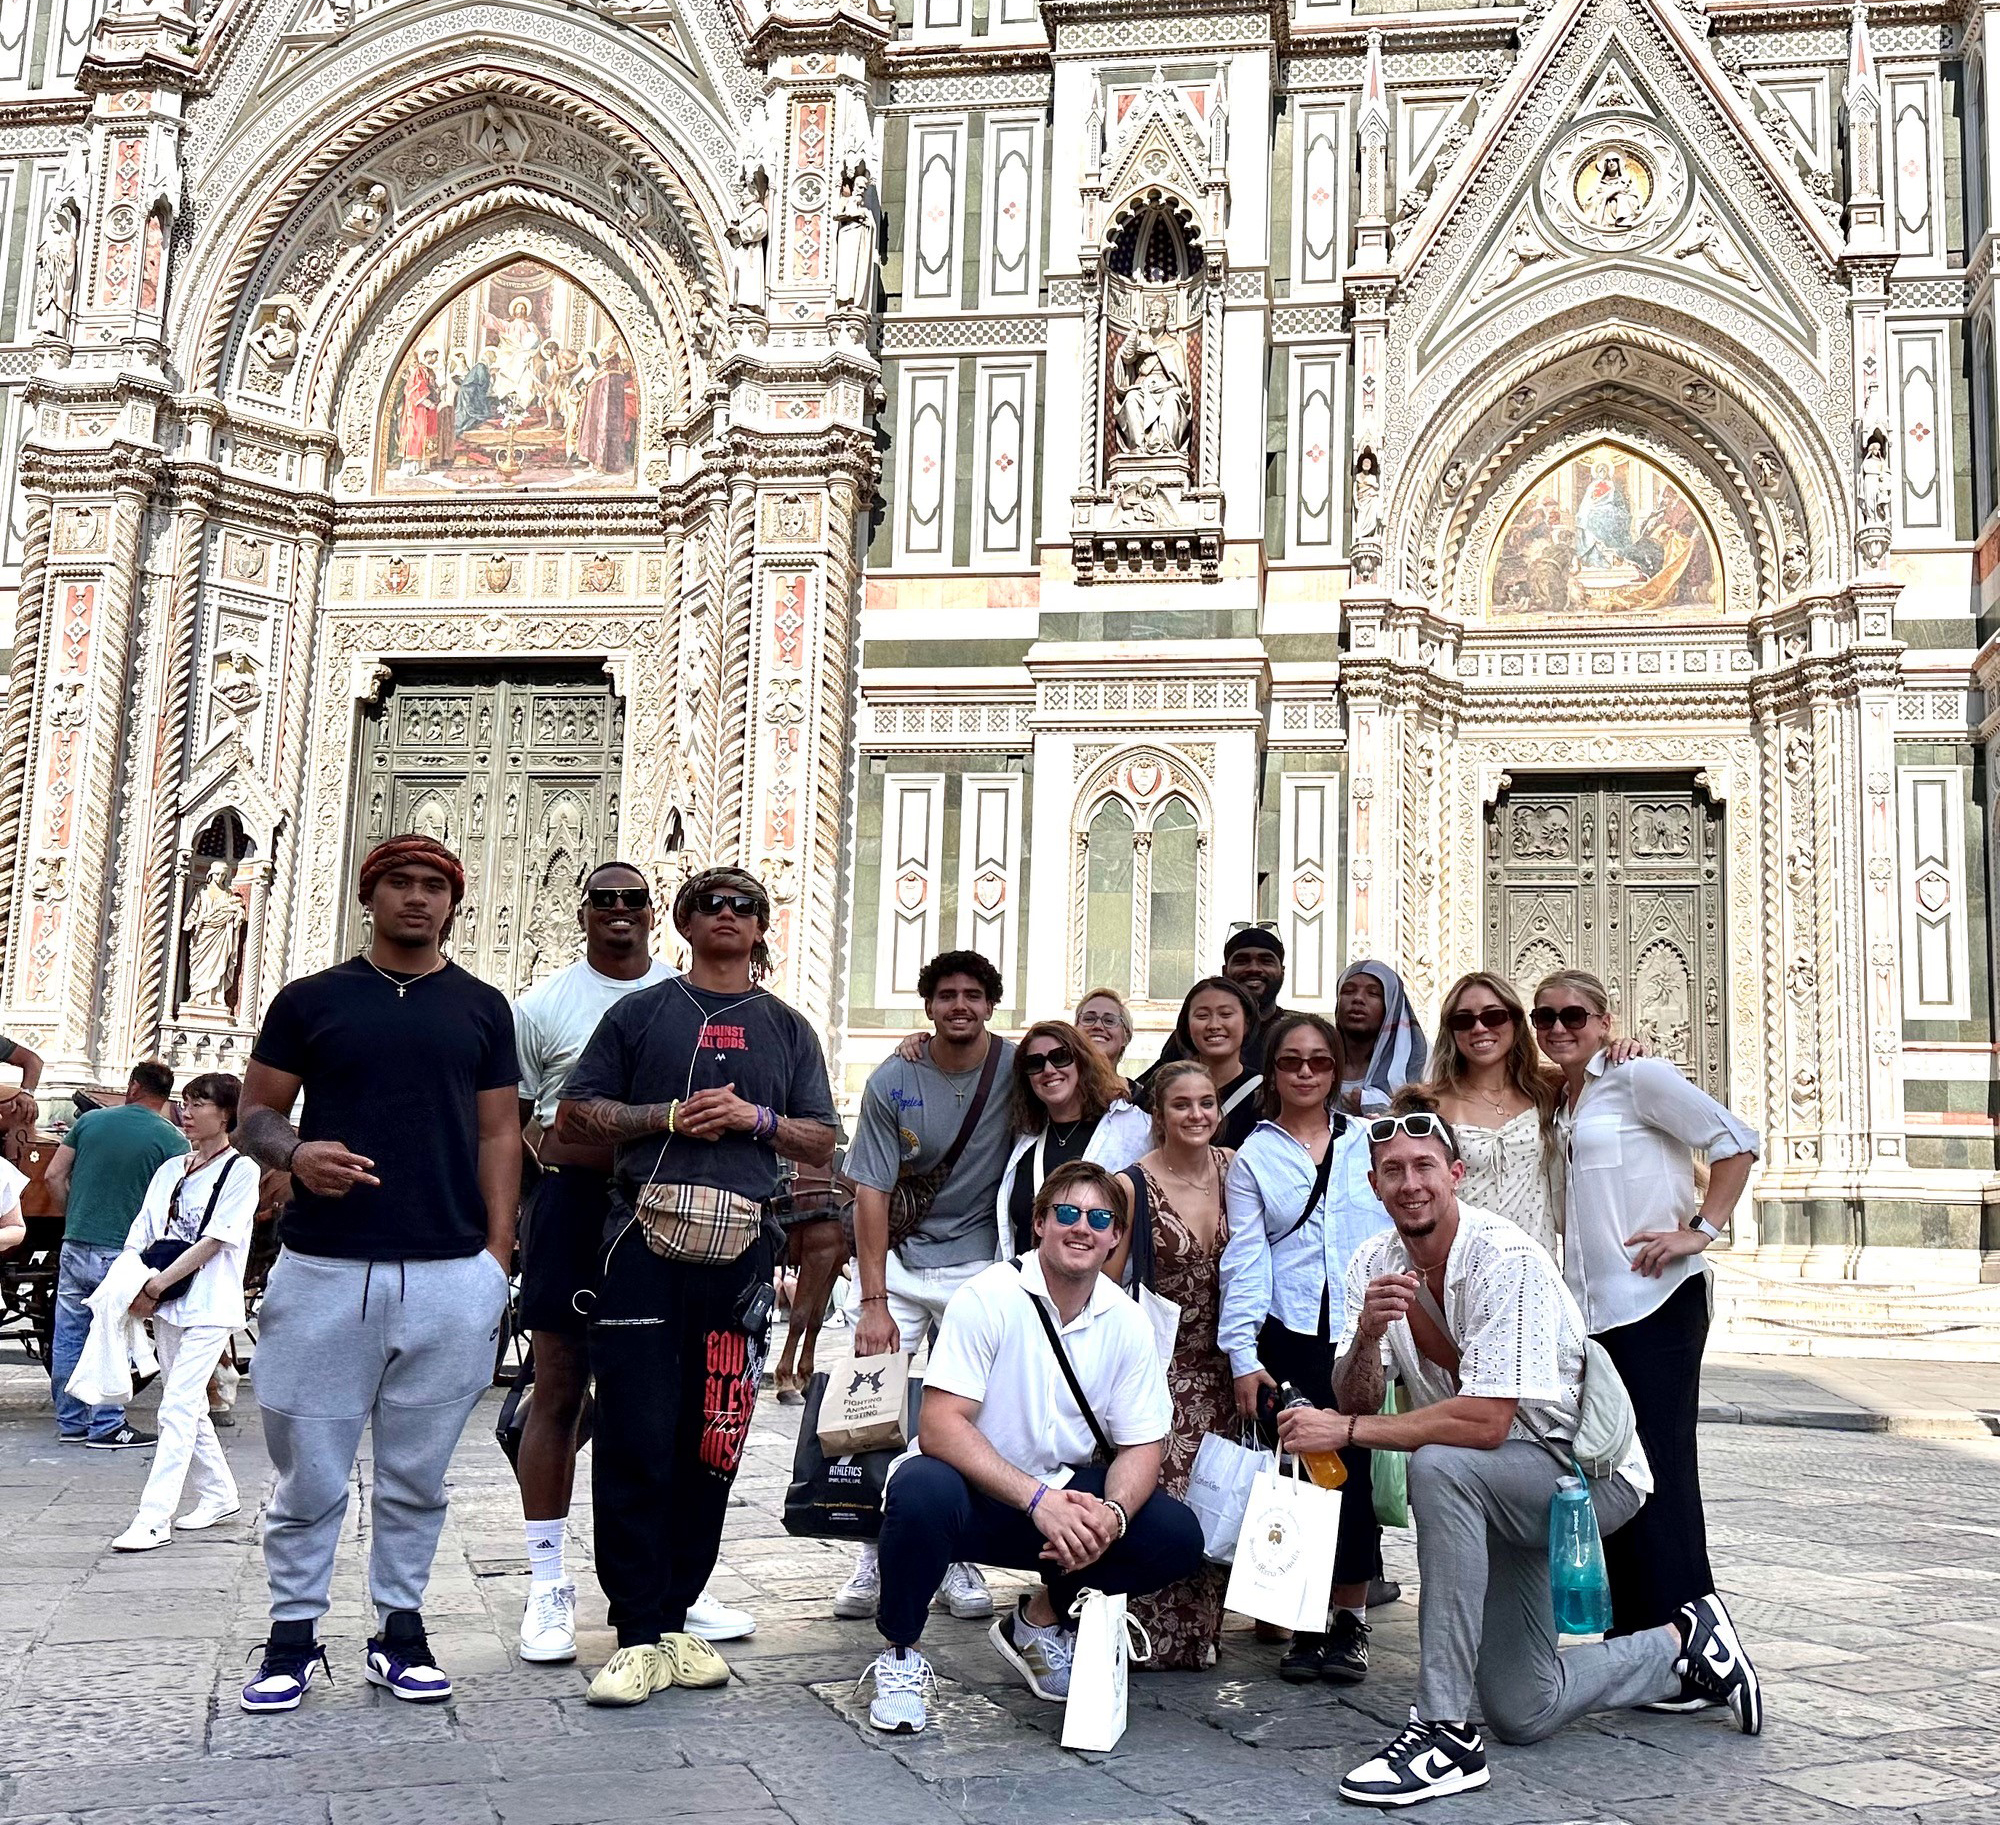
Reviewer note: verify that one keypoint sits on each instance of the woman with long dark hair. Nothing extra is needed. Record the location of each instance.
(1218, 1021)
(1066, 1104)
(1299, 1205)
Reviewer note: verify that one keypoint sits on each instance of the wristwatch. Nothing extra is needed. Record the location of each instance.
(1707, 1228)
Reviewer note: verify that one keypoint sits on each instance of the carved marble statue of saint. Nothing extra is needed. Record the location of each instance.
(1367, 497)
(748, 235)
(853, 237)
(1872, 495)
(214, 925)
(1616, 202)
(1149, 380)
(500, 138)
(363, 207)
(55, 271)
(278, 340)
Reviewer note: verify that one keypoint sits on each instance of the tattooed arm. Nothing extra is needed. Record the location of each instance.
(264, 1132)
(598, 1121)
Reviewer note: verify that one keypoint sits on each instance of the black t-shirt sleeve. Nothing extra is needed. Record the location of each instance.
(281, 1040)
(500, 1067)
(6, 1048)
(605, 1069)
(809, 1096)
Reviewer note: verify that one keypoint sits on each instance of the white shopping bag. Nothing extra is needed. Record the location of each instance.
(1165, 1318)
(1106, 1637)
(1219, 1491)
(1283, 1569)
(862, 1409)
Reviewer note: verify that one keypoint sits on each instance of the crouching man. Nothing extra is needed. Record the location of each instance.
(1488, 1344)
(1045, 1413)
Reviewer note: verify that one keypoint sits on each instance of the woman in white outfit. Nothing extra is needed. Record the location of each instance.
(208, 1199)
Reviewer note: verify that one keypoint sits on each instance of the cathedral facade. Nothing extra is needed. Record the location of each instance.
(1499, 486)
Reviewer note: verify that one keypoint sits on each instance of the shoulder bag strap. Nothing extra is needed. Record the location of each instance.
(1321, 1179)
(1139, 1259)
(1241, 1091)
(963, 1138)
(221, 1179)
(1069, 1372)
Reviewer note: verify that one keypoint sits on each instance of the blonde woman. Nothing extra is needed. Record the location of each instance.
(1633, 1230)
(1103, 1018)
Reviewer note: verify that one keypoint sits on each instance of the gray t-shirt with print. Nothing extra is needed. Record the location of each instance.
(910, 1114)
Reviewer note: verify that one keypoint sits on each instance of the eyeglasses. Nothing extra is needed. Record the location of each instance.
(1070, 1215)
(1463, 1020)
(1059, 1059)
(1575, 1017)
(1318, 1065)
(1419, 1125)
(743, 905)
(603, 899)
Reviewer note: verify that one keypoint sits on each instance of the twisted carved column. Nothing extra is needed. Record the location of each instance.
(21, 692)
(300, 657)
(731, 817)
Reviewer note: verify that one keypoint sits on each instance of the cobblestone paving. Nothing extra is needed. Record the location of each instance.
(1862, 1570)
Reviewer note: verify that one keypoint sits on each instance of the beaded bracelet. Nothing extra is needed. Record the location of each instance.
(673, 1109)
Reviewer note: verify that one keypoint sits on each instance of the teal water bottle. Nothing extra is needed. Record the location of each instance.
(1577, 1580)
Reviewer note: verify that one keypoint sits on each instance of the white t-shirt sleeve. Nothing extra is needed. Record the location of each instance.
(1140, 1409)
(967, 1341)
(1360, 1270)
(528, 1047)
(1514, 1323)
(236, 1209)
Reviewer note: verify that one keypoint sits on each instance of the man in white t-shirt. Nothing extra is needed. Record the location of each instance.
(1489, 1344)
(562, 1236)
(1011, 1468)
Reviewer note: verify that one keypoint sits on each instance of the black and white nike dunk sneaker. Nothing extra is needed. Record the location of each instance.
(1426, 1762)
(1714, 1664)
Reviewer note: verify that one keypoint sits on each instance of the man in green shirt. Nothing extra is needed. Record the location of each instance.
(98, 1180)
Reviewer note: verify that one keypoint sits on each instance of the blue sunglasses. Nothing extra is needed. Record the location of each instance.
(1069, 1215)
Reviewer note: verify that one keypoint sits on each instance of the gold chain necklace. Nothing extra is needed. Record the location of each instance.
(402, 988)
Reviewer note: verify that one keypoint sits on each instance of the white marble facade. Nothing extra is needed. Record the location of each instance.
(1063, 478)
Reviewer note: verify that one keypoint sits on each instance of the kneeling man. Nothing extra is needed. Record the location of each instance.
(1045, 1414)
(1488, 1343)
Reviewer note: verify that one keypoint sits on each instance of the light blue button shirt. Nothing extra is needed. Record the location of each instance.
(1267, 1273)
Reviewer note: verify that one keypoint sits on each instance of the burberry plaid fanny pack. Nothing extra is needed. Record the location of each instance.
(699, 1223)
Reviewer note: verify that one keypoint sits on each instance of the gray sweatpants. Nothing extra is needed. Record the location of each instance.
(407, 1346)
(1486, 1621)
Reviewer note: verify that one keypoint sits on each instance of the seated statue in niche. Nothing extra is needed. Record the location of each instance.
(214, 925)
(1149, 381)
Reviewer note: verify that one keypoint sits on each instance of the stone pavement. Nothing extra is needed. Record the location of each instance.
(1913, 1399)
(1862, 1569)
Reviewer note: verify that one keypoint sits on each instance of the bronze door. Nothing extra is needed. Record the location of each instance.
(1623, 879)
(517, 771)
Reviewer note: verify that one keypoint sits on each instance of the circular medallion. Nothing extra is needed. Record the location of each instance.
(121, 222)
(1612, 184)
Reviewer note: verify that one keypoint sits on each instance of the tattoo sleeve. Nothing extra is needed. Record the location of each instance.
(810, 1143)
(267, 1138)
(603, 1123)
(1357, 1378)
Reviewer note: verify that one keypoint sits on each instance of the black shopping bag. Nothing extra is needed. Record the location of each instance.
(833, 1498)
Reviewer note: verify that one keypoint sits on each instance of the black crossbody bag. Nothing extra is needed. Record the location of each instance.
(1106, 1451)
(161, 1255)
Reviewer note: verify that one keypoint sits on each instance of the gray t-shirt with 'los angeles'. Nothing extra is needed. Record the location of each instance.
(910, 1114)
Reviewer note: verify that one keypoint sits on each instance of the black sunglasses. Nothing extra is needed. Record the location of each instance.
(1576, 1016)
(743, 905)
(603, 899)
(1465, 1019)
(1035, 1063)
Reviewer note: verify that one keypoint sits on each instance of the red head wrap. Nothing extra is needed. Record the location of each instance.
(401, 852)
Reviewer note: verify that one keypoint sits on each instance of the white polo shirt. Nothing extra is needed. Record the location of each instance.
(991, 1348)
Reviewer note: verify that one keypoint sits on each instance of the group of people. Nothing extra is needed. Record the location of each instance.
(1325, 1206)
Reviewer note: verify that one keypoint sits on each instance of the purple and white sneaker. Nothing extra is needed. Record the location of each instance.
(406, 1668)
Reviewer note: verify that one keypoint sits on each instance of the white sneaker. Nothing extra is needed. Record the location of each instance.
(858, 1597)
(1041, 1655)
(548, 1624)
(713, 1621)
(207, 1514)
(142, 1537)
(903, 1680)
(964, 1593)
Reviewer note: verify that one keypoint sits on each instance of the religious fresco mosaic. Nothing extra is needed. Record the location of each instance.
(521, 383)
(1604, 533)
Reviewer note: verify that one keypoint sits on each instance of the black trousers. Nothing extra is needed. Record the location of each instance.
(1659, 1559)
(676, 1385)
(1307, 1363)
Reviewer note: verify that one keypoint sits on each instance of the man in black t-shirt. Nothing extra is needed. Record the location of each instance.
(384, 1308)
(701, 1084)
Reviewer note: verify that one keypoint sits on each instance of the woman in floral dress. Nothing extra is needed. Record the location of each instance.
(1174, 1246)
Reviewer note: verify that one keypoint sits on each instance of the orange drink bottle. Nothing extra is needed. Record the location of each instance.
(1324, 1467)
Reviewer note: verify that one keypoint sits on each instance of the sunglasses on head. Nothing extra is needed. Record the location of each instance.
(603, 899)
(1463, 1020)
(1419, 1125)
(1058, 1058)
(743, 905)
(1576, 1016)
(1070, 1215)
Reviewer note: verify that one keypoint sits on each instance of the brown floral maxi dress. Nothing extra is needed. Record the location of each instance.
(1185, 1619)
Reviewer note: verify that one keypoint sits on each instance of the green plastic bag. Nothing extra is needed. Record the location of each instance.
(1389, 1472)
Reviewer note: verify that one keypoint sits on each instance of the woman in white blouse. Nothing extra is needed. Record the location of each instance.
(1633, 1230)
(207, 1198)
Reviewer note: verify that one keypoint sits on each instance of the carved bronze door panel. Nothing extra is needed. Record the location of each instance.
(1624, 880)
(515, 770)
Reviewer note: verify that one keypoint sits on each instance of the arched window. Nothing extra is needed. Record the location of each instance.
(1170, 958)
(1107, 921)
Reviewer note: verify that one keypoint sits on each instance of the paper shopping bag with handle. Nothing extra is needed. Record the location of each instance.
(1219, 1491)
(863, 1408)
(1283, 1569)
(1106, 1637)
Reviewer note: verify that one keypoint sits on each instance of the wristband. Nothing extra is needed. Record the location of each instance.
(673, 1109)
(1118, 1508)
(1707, 1228)
(1042, 1489)
(874, 1298)
(1351, 1418)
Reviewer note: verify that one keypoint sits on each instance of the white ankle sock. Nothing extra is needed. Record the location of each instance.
(545, 1549)
(1358, 1611)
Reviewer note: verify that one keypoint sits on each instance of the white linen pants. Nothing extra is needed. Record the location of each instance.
(188, 1355)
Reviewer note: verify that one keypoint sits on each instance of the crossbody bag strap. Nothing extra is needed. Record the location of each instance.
(1140, 1258)
(1435, 1313)
(215, 1192)
(963, 1138)
(1240, 1092)
(1069, 1371)
(1321, 1179)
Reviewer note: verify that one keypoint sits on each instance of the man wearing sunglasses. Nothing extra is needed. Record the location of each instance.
(700, 1084)
(1489, 1345)
(1045, 1416)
